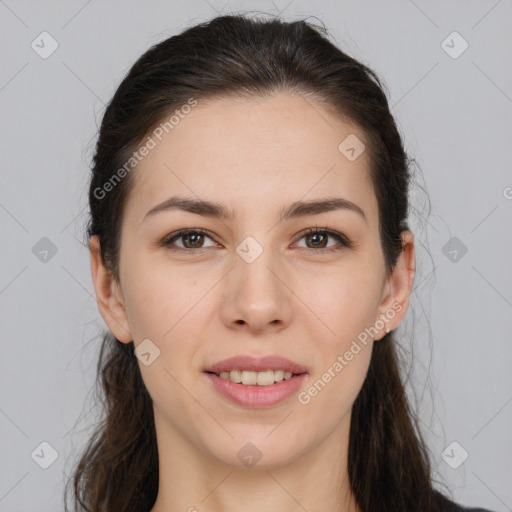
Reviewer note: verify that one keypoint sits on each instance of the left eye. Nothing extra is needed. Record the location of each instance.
(321, 235)
(194, 237)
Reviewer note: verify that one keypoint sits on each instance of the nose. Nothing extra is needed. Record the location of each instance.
(258, 295)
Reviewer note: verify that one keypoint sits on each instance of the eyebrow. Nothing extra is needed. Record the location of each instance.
(294, 210)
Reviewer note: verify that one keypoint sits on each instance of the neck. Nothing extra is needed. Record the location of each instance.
(192, 480)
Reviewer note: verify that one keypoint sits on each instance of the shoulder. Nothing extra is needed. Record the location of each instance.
(447, 505)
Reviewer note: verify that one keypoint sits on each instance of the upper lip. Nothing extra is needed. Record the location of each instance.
(256, 364)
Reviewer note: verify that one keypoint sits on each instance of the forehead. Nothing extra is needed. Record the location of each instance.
(253, 153)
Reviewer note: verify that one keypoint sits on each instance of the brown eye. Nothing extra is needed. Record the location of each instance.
(191, 239)
(318, 239)
(195, 240)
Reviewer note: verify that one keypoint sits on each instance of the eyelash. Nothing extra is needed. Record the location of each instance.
(344, 241)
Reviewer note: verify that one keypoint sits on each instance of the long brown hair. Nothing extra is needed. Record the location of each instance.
(228, 57)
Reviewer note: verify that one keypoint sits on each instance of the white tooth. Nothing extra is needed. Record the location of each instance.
(249, 378)
(235, 376)
(278, 375)
(265, 378)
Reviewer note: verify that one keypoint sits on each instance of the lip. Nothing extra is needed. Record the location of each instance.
(257, 364)
(256, 396)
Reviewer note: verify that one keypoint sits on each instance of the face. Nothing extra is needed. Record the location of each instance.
(254, 284)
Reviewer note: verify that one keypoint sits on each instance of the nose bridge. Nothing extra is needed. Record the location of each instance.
(256, 293)
(257, 266)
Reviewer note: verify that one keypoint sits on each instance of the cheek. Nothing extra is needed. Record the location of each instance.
(347, 301)
(159, 298)
(339, 388)
(171, 306)
(164, 306)
(341, 303)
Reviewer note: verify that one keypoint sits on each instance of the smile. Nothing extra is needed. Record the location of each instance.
(251, 378)
(256, 395)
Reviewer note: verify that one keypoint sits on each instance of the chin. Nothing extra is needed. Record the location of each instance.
(258, 452)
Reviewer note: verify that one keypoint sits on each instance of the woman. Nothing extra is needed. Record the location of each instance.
(251, 258)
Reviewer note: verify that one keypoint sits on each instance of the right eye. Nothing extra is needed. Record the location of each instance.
(193, 239)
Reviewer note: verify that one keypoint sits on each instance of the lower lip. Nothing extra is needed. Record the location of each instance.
(256, 396)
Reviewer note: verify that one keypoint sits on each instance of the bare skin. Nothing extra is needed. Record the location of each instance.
(298, 299)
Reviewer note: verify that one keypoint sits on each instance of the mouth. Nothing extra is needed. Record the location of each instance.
(256, 389)
(250, 381)
(253, 378)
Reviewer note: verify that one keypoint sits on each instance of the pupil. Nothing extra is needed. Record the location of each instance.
(194, 235)
(316, 235)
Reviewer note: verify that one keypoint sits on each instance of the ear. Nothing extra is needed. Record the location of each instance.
(108, 295)
(397, 289)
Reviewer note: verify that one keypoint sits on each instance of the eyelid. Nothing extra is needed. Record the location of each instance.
(176, 235)
(343, 240)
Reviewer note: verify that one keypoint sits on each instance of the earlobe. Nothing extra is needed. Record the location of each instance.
(399, 284)
(108, 295)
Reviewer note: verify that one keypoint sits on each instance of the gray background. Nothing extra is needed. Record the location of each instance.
(455, 116)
